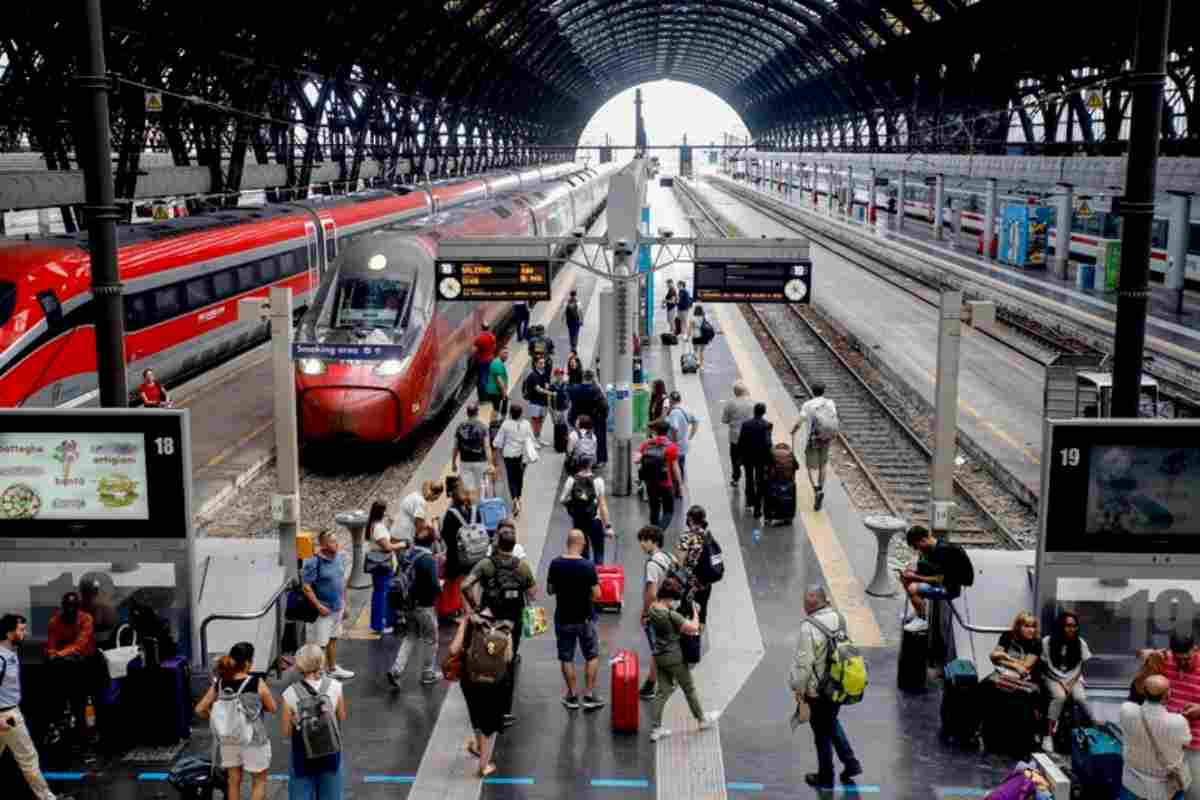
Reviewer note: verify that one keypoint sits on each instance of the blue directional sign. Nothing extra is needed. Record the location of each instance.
(347, 352)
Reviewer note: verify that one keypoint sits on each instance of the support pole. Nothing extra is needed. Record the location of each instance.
(989, 219)
(1064, 203)
(946, 411)
(1137, 206)
(900, 201)
(95, 156)
(956, 205)
(939, 199)
(848, 207)
(829, 196)
(287, 445)
(871, 198)
(1179, 233)
(626, 197)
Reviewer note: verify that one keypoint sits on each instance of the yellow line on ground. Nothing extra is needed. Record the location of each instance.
(239, 444)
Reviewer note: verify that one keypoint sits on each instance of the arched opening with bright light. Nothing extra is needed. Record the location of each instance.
(671, 110)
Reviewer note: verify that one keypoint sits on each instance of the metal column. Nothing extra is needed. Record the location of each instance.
(1179, 233)
(287, 445)
(95, 157)
(1137, 206)
(848, 207)
(946, 411)
(871, 198)
(989, 219)
(829, 196)
(956, 205)
(939, 198)
(900, 201)
(1064, 203)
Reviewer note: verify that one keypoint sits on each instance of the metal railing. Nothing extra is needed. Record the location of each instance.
(249, 616)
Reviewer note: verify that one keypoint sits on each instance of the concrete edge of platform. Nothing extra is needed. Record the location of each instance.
(208, 508)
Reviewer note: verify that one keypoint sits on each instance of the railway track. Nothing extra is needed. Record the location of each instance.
(894, 457)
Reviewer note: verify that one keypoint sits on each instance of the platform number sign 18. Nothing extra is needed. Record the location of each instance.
(1070, 456)
(165, 445)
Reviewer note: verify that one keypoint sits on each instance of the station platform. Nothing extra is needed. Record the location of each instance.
(1000, 391)
(409, 742)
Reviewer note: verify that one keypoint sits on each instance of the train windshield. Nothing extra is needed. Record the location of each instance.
(367, 303)
(8, 301)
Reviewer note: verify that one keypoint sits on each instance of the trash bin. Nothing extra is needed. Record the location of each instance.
(641, 407)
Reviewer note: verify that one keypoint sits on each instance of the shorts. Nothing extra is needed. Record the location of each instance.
(534, 411)
(251, 758)
(472, 473)
(584, 633)
(929, 590)
(325, 629)
(816, 456)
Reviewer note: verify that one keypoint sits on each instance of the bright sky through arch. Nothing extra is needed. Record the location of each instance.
(671, 109)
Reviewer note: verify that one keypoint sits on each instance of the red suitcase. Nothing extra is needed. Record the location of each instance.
(612, 587)
(450, 600)
(625, 692)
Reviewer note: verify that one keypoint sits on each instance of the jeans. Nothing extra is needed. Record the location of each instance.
(18, 740)
(481, 380)
(521, 315)
(601, 429)
(573, 332)
(322, 786)
(514, 469)
(668, 676)
(422, 633)
(756, 488)
(735, 460)
(662, 506)
(829, 736)
(381, 583)
(683, 466)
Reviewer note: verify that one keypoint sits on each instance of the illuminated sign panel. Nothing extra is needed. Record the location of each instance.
(493, 280)
(782, 282)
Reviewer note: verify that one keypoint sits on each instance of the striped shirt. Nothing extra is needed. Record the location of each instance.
(1144, 774)
(1185, 690)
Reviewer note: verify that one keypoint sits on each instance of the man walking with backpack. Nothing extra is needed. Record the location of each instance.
(420, 569)
(703, 558)
(574, 319)
(472, 456)
(816, 686)
(819, 419)
(658, 469)
(584, 498)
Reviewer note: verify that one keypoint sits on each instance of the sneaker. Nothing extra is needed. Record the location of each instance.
(917, 625)
(429, 680)
(571, 702)
(851, 771)
(709, 720)
(647, 691)
(387, 631)
(820, 499)
(819, 781)
(734, 482)
(341, 673)
(1048, 744)
(591, 702)
(659, 733)
(393, 678)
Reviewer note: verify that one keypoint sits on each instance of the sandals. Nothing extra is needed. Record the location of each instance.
(488, 770)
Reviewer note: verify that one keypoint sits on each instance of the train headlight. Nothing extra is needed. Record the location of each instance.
(311, 366)
(392, 366)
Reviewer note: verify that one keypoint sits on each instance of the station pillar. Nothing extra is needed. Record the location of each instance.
(1062, 226)
(871, 198)
(989, 219)
(848, 207)
(900, 201)
(830, 187)
(287, 444)
(956, 205)
(939, 199)
(1179, 232)
(945, 422)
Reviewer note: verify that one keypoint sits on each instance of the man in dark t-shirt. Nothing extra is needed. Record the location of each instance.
(422, 632)
(573, 580)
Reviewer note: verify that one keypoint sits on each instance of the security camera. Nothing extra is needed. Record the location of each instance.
(665, 233)
(622, 246)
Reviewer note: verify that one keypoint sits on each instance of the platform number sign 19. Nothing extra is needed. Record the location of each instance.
(1070, 456)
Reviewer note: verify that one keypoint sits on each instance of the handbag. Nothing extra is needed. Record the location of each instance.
(531, 451)
(1179, 778)
(298, 608)
(377, 562)
(533, 621)
(118, 658)
(801, 715)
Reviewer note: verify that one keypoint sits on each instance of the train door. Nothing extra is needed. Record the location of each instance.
(313, 254)
(329, 231)
(59, 391)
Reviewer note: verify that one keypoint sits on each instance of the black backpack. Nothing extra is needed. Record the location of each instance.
(470, 440)
(583, 502)
(653, 470)
(504, 594)
(707, 332)
(711, 567)
(574, 317)
(960, 571)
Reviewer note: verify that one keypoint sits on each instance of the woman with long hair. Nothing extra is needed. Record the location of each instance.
(510, 444)
(1063, 654)
(658, 400)
(574, 368)
(232, 673)
(696, 333)
(381, 578)
(1019, 648)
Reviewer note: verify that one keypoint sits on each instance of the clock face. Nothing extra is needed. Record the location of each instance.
(795, 290)
(450, 288)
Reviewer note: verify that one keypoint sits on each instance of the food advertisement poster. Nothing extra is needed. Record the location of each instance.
(73, 476)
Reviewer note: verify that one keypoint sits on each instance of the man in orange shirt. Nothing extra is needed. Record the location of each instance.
(71, 631)
(485, 354)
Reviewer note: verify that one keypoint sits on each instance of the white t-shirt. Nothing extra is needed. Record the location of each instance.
(657, 567)
(807, 412)
(1084, 652)
(380, 535)
(510, 439)
(291, 698)
(412, 508)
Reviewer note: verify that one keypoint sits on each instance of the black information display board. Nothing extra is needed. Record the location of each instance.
(493, 280)
(782, 282)
(94, 474)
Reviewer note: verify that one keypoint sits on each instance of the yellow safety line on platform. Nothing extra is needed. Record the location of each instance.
(848, 591)
(361, 629)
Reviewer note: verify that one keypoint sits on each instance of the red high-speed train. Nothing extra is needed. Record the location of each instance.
(381, 291)
(183, 279)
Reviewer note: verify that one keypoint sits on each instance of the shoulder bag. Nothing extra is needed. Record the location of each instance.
(1179, 778)
(118, 658)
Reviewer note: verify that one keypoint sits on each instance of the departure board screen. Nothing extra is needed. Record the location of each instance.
(493, 280)
(783, 282)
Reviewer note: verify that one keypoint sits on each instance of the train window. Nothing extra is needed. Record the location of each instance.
(50, 305)
(136, 311)
(330, 244)
(224, 284)
(296, 265)
(8, 300)
(287, 263)
(247, 277)
(1193, 247)
(199, 292)
(369, 303)
(501, 211)
(167, 303)
(268, 268)
(1158, 234)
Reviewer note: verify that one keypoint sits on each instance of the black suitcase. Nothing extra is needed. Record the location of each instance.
(1011, 721)
(160, 698)
(779, 501)
(960, 706)
(561, 432)
(914, 655)
(669, 339)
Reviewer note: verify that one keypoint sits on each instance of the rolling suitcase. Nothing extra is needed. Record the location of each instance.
(450, 600)
(960, 706)
(1097, 762)
(612, 587)
(914, 654)
(561, 432)
(161, 699)
(669, 339)
(689, 363)
(779, 502)
(492, 510)
(625, 692)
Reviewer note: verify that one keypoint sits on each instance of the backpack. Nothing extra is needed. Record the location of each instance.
(231, 721)
(491, 650)
(711, 567)
(783, 464)
(574, 317)
(504, 594)
(473, 539)
(845, 678)
(316, 721)
(584, 501)
(960, 570)
(707, 332)
(685, 300)
(585, 446)
(405, 578)
(653, 469)
(825, 423)
(470, 440)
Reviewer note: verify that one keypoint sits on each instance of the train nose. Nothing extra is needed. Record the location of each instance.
(334, 412)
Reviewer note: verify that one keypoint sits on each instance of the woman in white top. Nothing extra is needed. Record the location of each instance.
(233, 673)
(381, 579)
(1063, 654)
(319, 778)
(696, 334)
(512, 442)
